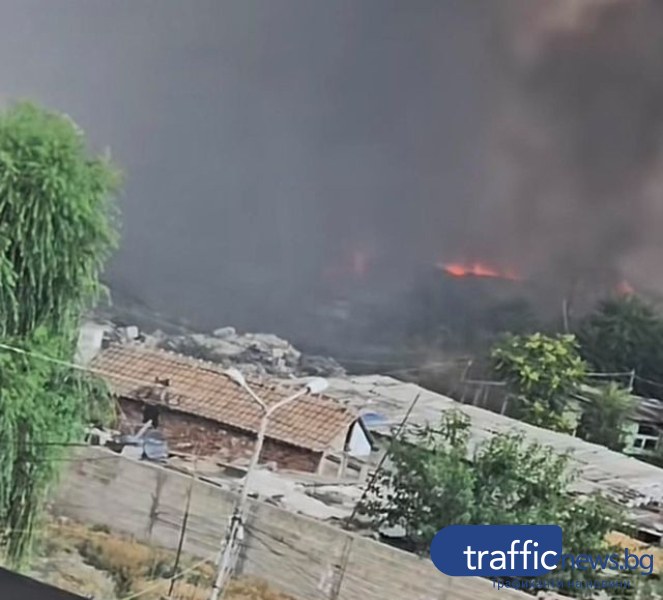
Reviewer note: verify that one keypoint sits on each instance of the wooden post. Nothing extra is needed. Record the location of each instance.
(565, 314)
(477, 395)
(631, 381)
(185, 521)
(340, 571)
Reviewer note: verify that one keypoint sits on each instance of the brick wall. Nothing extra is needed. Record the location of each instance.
(290, 457)
(188, 433)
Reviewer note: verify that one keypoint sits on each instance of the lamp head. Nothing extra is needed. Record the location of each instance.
(317, 385)
(236, 376)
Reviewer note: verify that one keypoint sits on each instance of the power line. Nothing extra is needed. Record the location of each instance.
(82, 460)
(72, 365)
(187, 330)
(185, 521)
(649, 381)
(112, 375)
(370, 484)
(61, 444)
(632, 373)
(378, 363)
(616, 374)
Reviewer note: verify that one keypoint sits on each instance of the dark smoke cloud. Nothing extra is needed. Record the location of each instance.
(268, 145)
(264, 141)
(580, 139)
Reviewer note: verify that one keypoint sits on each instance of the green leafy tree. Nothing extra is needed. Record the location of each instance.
(650, 589)
(625, 334)
(434, 479)
(603, 417)
(427, 483)
(542, 372)
(56, 230)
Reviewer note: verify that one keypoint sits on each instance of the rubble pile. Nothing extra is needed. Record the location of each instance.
(255, 354)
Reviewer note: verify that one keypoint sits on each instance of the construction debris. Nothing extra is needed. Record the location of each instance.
(255, 354)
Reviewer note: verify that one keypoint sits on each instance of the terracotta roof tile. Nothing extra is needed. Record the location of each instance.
(201, 388)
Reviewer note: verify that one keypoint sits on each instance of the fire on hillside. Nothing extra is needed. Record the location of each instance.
(477, 269)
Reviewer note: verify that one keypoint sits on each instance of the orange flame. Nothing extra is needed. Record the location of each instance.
(477, 269)
(624, 288)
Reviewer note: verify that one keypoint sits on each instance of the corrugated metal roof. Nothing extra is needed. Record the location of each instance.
(201, 388)
(623, 478)
(645, 410)
(649, 410)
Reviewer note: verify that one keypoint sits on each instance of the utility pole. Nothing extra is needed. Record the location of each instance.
(631, 381)
(185, 521)
(230, 547)
(565, 314)
(386, 454)
(567, 303)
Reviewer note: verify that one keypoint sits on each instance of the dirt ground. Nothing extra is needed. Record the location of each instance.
(92, 562)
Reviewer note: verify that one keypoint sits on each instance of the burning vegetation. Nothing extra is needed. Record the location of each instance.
(624, 288)
(477, 269)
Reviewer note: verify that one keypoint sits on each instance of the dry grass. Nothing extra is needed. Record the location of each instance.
(136, 567)
(125, 559)
(183, 590)
(241, 589)
(250, 589)
(624, 541)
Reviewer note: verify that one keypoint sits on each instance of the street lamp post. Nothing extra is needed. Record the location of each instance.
(235, 531)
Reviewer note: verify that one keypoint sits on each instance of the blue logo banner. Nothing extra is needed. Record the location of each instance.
(497, 550)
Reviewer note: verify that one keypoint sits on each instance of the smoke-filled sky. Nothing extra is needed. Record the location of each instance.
(271, 148)
(579, 159)
(264, 143)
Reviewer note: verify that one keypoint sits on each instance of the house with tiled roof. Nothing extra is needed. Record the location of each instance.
(200, 410)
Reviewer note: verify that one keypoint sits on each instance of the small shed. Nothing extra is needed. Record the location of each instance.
(196, 405)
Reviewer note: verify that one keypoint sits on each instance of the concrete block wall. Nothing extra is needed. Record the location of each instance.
(306, 558)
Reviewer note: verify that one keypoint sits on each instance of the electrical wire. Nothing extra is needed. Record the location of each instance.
(57, 444)
(275, 419)
(615, 374)
(76, 459)
(72, 365)
(185, 330)
(649, 381)
(103, 373)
